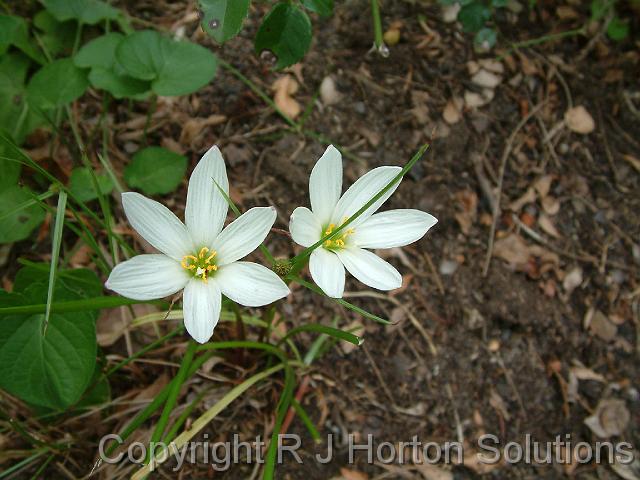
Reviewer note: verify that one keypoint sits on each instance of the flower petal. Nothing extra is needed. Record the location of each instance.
(250, 284)
(207, 208)
(157, 225)
(325, 184)
(244, 235)
(305, 227)
(370, 269)
(201, 308)
(147, 277)
(363, 190)
(394, 228)
(327, 271)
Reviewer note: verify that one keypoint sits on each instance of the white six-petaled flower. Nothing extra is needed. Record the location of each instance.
(199, 257)
(329, 210)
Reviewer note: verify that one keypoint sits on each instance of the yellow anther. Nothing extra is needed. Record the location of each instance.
(338, 242)
(201, 264)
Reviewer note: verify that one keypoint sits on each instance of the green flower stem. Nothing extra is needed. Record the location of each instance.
(302, 256)
(344, 303)
(377, 24)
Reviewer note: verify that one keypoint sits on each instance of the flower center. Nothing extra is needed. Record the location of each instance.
(338, 242)
(200, 265)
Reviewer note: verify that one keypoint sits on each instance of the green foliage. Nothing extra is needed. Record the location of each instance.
(473, 16)
(618, 29)
(156, 170)
(57, 37)
(285, 32)
(14, 31)
(321, 7)
(16, 117)
(222, 19)
(57, 84)
(53, 368)
(485, 39)
(173, 67)
(84, 11)
(99, 55)
(81, 184)
(19, 214)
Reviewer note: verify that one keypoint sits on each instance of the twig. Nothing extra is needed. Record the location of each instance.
(377, 373)
(503, 165)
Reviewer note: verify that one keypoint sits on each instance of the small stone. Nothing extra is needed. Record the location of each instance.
(328, 91)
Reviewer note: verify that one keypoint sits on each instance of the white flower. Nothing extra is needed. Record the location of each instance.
(201, 257)
(394, 228)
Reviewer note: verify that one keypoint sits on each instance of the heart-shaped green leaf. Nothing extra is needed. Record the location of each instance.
(173, 67)
(99, 55)
(222, 19)
(56, 84)
(156, 170)
(99, 52)
(81, 281)
(285, 32)
(49, 369)
(19, 214)
(85, 11)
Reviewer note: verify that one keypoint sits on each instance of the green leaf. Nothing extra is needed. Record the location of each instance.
(106, 74)
(599, 9)
(81, 281)
(499, 3)
(473, 16)
(85, 11)
(99, 52)
(9, 170)
(57, 84)
(19, 215)
(618, 29)
(321, 7)
(285, 32)
(16, 117)
(120, 86)
(14, 31)
(50, 370)
(222, 19)
(57, 37)
(156, 170)
(485, 39)
(174, 68)
(81, 184)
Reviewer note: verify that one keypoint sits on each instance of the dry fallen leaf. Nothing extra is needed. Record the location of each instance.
(474, 99)
(284, 88)
(610, 418)
(328, 92)
(512, 249)
(431, 472)
(353, 474)
(451, 113)
(579, 120)
(572, 280)
(485, 78)
(601, 327)
(547, 226)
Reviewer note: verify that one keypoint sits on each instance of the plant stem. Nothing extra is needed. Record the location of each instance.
(377, 25)
(181, 376)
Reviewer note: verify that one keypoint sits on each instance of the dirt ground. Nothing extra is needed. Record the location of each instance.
(535, 345)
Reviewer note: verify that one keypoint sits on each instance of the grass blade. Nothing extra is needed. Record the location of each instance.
(55, 255)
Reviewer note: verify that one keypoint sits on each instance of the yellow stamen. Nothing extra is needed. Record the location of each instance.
(338, 242)
(200, 265)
